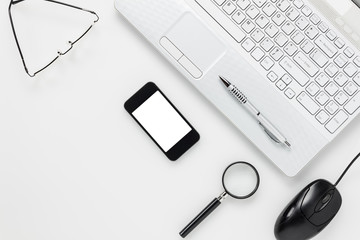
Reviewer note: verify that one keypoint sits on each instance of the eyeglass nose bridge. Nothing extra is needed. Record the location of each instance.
(71, 45)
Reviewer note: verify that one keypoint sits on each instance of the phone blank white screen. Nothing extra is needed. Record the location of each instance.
(161, 121)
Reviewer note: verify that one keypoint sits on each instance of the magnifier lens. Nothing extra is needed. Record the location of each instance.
(240, 180)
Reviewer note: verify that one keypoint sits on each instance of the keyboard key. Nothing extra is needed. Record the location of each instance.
(339, 43)
(283, 5)
(287, 79)
(262, 21)
(220, 2)
(307, 46)
(331, 70)
(228, 25)
(267, 63)
(305, 63)
(311, 32)
(308, 103)
(259, 3)
(248, 44)
(290, 48)
(306, 11)
(357, 61)
(229, 8)
(271, 30)
(267, 44)
(349, 52)
(322, 98)
(290, 93)
(357, 79)
(278, 18)
(315, 19)
(257, 35)
(252, 12)
(322, 117)
(338, 120)
(353, 104)
(323, 27)
(294, 71)
(351, 88)
(288, 28)
(297, 37)
(327, 47)
(243, 4)
(313, 89)
(281, 85)
(341, 79)
(239, 17)
(341, 60)
(302, 23)
(269, 9)
(248, 26)
(272, 76)
(281, 39)
(257, 54)
(322, 79)
(276, 54)
(331, 35)
(350, 69)
(331, 107)
(319, 58)
(341, 98)
(292, 14)
(298, 3)
(331, 89)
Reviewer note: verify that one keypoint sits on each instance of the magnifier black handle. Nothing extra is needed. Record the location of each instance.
(200, 217)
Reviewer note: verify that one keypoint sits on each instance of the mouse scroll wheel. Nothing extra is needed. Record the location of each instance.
(324, 201)
(326, 198)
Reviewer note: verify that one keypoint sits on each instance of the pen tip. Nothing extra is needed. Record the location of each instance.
(226, 82)
(287, 144)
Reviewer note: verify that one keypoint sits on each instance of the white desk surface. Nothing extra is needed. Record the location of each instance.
(74, 164)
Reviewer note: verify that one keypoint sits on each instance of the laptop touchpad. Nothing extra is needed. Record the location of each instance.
(192, 44)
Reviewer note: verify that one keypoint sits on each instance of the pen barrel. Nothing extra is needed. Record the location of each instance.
(252, 109)
(270, 128)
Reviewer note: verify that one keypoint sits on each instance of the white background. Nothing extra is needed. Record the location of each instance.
(75, 165)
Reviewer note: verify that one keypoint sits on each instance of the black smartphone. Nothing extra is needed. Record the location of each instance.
(159, 118)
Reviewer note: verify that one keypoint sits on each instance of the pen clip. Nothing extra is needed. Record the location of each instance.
(272, 136)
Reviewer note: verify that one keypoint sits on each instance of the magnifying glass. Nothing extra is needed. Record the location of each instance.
(240, 181)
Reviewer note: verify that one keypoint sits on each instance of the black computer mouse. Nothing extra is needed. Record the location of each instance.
(309, 212)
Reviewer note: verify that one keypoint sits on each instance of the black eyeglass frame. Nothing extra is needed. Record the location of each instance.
(72, 43)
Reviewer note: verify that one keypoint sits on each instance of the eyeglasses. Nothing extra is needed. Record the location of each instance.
(59, 53)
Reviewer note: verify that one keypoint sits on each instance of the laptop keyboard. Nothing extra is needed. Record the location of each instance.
(301, 55)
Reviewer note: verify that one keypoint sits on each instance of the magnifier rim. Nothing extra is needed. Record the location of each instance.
(257, 180)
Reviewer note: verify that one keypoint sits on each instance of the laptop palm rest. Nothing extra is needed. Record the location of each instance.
(193, 45)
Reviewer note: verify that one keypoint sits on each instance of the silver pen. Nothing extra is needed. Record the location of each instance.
(269, 128)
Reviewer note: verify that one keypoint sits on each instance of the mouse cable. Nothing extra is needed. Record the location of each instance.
(348, 167)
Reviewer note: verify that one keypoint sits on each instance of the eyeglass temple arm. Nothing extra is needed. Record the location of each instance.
(72, 6)
(13, 2)
(16, 39)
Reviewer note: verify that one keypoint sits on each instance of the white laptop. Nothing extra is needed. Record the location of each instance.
(296, 60)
